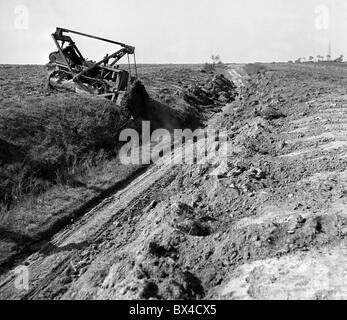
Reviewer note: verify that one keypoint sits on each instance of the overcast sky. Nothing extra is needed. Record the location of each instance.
(177, 31)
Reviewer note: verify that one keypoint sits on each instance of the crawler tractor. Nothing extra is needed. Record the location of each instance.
(70, 70)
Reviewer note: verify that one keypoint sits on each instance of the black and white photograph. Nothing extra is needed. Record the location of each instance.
(191, 151)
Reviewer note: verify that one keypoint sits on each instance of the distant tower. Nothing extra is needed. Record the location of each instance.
(329, 50)
(331, 26)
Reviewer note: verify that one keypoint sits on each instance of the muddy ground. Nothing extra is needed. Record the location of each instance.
(266, 222)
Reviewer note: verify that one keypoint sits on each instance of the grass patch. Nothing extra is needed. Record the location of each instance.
(48, 140)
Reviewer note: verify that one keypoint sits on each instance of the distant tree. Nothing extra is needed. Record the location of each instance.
(298, 60)
(290, 61)
(310, 58)
(340, 58)
(210, 67)
(319, 57)
(303, 59)
(328, 57)
(216, 59)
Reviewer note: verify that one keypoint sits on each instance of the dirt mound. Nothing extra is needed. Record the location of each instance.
(174, 113)
(217, 91)
(185, 108)
(268, 112)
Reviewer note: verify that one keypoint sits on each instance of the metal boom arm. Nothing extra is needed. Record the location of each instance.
(60, 31)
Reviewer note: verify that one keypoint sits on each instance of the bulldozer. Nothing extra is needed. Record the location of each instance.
(69, 70)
